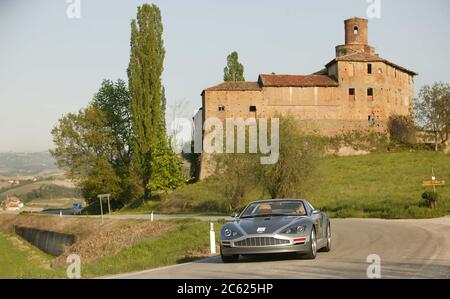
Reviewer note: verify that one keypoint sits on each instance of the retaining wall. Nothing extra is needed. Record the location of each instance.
(50, 242)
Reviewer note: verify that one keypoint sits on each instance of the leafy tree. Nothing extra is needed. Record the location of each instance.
(234, 71)
(289, 177)
(194, 160)
(79, 139)
(298, 159)
(151, 152)
(170, 171)
(237, 172)
(92, 145)
(102, 179)
(432, 111)
(82, 140)
(113, 99)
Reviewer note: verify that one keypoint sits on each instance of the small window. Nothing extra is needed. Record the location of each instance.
(370, 94)
(351, 94)
(371, 120)
(369, 68)
(355, 30)
(221, 108)
(252, 108)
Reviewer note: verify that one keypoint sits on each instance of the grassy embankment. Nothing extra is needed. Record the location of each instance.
(18, 259)
(188, 243)
(379, 185)
(186, 240)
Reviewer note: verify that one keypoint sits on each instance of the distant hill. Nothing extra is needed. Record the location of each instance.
(27, 164)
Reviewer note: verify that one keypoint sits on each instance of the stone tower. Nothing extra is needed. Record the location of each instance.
(356, 38)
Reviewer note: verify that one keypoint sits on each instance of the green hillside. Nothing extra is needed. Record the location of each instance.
(385, 185)
(380, 185)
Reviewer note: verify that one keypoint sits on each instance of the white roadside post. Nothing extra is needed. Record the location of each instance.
(151, 217)
(212, 238)
(60, 213)
(433, 178)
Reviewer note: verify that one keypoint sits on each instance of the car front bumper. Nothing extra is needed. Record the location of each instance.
(229, 248)
(302, 248)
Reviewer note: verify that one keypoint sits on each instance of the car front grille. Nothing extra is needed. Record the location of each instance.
(260, 241)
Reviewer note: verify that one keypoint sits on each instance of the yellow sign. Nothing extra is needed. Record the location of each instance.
(433, 183)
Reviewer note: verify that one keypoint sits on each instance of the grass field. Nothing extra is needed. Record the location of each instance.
(384, 185)
(379, 185)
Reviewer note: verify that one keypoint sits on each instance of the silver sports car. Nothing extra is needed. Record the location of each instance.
(276, 226)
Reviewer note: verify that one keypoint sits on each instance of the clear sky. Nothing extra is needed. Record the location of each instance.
(51, 65)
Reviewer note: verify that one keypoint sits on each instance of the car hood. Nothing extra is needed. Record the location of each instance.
(270, 224)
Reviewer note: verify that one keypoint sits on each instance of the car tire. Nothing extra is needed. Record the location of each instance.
(312, 252)
(229, 258)
(327, 248)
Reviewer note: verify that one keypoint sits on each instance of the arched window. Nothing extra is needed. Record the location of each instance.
(355, 30)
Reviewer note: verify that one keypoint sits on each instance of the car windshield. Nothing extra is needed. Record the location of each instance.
(274, 208)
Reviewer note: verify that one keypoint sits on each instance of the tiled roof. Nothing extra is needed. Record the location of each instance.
(366, 57)
(235, 86)
(296, 80)
(321, 72)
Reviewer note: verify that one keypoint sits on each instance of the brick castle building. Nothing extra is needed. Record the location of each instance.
(357, 90)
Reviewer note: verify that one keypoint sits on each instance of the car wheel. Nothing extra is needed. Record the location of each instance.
(311, 254)
(229, 258)
(327, 248)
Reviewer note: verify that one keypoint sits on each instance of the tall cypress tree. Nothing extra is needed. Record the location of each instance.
(146, 91)
(234, 71)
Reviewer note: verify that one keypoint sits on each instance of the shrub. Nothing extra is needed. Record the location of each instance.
(299, 156)
(430, 198)
(237, 174)
(401, 129)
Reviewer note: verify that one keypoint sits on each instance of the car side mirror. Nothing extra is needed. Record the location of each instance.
(235, 215)
(315, 211)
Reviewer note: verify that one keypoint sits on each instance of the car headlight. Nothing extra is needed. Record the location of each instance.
(230, 233)
(295, 230)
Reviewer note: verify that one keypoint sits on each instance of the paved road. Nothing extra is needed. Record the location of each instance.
(65, 212)
(71, 213)
(407, 248)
